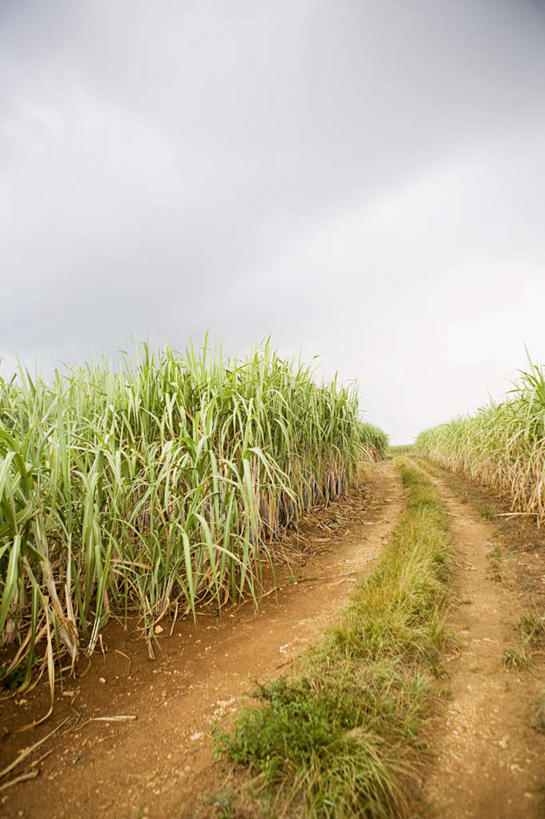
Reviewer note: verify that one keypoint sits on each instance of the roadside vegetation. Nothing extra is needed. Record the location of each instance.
(374, 443)
(531, 627)
(155, 487)
(343, 737)
(502, 445)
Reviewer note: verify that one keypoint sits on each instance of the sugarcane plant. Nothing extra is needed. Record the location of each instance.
(156, 486)
(502, 444)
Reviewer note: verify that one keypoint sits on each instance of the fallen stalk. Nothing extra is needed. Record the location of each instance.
(27, 751)
(32, 774)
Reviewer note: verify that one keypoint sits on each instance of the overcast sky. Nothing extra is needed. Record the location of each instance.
(362, 180)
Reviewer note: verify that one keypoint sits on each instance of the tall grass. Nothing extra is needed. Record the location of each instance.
(153, 487)
(374, 442)
(502, 445)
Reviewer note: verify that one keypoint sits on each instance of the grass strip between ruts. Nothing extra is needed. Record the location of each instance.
(343, 738)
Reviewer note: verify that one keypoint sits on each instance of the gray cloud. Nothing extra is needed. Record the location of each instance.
(359, 179)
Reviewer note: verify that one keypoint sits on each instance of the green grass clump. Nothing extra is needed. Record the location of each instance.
(486, 511)
(340, 738)
(334, 737)
(157, 486)
(531, 625)
(515, 659)
(495, 560)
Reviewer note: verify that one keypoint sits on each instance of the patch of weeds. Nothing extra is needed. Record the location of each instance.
(532, 626)
(527, 584)
(538, 720)
(343, 735)
(335, 741)
(486, 511)
(223, 806)
(495, 560)
(515, 660)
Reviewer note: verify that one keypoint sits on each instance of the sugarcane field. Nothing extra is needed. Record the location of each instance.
(272, 409)
(177, 526)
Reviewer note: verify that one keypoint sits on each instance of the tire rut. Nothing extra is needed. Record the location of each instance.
(490, 761)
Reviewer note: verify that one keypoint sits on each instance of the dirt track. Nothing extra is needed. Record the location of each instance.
(160, 763)
(490, 761)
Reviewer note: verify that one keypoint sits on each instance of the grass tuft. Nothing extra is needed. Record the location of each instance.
(486, 511)
(532, 626)
(515, 659)
(495, 560)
